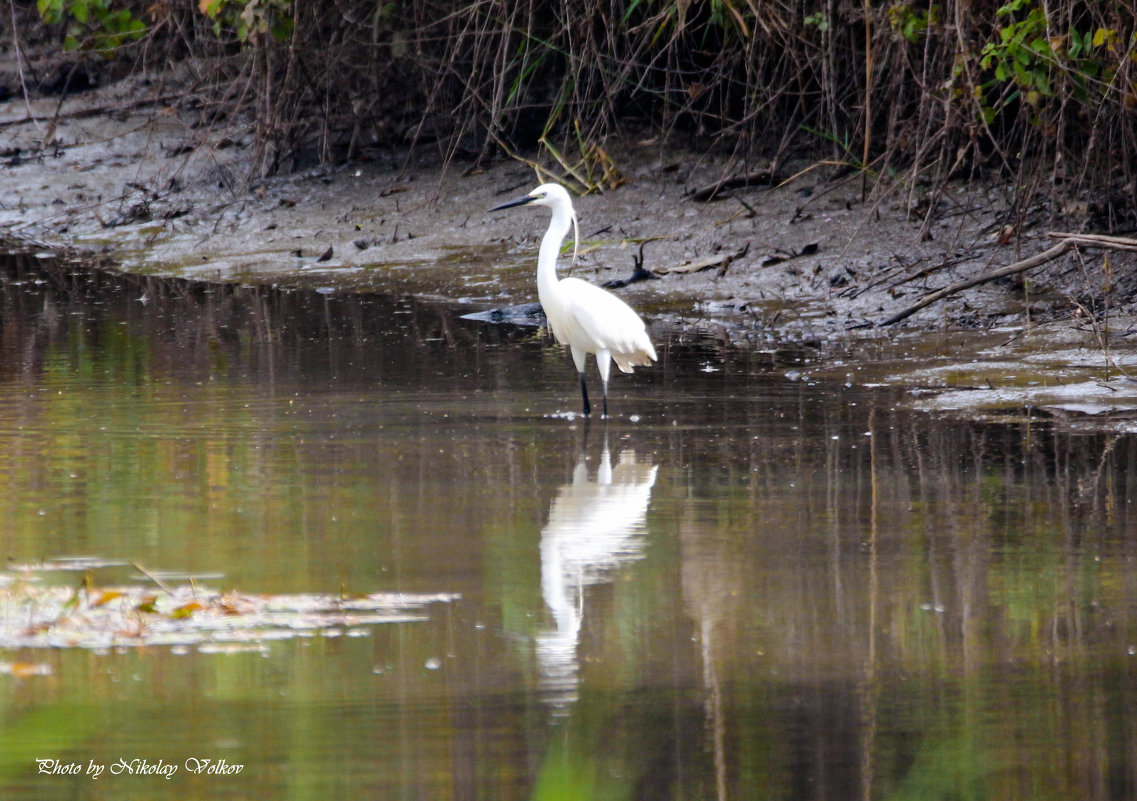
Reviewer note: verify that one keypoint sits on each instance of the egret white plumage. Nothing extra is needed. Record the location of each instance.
(581, 315)
(595, 527)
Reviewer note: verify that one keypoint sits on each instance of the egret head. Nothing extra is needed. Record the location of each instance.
(556, 197)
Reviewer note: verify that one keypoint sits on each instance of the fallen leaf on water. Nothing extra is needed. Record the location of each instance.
(185, 610)
(107, 597)
(24, 669)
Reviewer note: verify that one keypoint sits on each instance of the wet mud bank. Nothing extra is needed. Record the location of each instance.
(818, 261)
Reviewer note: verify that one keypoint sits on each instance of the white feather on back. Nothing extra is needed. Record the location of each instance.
(590, 318)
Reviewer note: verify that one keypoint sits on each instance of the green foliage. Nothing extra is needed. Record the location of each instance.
(98, 25)
(1027, 56)
(1023, 53)
(915, 82)
(912, 24)
(250, 19)
(818, 20)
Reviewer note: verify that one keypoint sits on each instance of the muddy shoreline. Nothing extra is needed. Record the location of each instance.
(155, 194)
(818, 258)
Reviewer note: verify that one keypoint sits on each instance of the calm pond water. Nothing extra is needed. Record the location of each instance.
(742, 586)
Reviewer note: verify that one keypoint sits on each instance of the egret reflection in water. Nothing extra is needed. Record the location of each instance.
(595, 527)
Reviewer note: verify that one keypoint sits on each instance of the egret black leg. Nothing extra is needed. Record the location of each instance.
(584, 394)
(605, 384)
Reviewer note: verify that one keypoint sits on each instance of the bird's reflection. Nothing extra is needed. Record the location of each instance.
(595, 527)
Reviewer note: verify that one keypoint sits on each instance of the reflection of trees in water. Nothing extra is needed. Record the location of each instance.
(923, 593)
(196, 327)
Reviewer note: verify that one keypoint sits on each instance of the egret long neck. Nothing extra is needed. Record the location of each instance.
(550, 249)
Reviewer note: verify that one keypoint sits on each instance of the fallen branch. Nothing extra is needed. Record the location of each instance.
(1010, 269)
(1097, 240)
(784, 255)
(1068, 242)
(710, 191)
(719, 259)
(639, 272)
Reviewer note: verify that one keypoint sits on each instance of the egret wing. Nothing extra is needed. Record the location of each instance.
(595, 319)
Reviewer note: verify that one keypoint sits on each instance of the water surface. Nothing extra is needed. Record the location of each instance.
(746, 584)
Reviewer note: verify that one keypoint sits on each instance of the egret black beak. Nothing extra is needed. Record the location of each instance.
(521, 201)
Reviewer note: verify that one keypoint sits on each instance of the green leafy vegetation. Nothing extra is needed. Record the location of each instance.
(99, 25)
(250, 18)
(911, 23)
(1042, 94)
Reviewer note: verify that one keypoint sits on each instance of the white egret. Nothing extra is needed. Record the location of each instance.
(581, 315)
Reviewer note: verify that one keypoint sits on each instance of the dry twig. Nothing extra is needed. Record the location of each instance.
(711, 191)
(1068, 242)
(721, 260)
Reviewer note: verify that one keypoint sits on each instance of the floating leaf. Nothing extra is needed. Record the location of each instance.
(106, 597)
(24, 669)
(186, 610)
